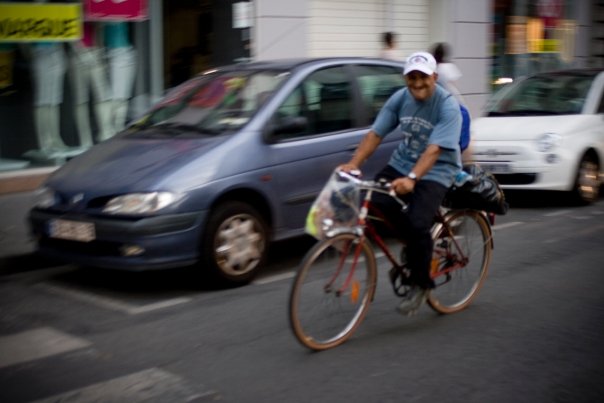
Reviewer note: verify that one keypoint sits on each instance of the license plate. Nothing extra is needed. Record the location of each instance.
(72, 230)
(497, 168)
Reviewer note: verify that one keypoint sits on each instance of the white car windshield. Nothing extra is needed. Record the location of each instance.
(545, 94)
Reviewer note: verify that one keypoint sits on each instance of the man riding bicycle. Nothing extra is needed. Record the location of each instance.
(421, 169)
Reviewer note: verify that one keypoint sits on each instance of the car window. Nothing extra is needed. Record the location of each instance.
(377, 84)
(601, 107)
(322, 103)
(544, 95)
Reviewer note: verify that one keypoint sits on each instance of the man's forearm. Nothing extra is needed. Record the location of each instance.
(426, 160)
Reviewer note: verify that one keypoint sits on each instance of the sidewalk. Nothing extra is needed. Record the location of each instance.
(23, 180)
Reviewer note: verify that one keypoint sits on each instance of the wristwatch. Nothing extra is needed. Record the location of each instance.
(412, 176)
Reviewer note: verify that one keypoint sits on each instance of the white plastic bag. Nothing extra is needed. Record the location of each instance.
(336, 206)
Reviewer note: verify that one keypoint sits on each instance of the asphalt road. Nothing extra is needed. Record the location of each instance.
(533, 335)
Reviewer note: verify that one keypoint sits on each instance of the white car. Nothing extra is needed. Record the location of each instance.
(545, 132)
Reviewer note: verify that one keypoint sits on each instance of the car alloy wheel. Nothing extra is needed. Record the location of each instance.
(588, 181)
(236, 242)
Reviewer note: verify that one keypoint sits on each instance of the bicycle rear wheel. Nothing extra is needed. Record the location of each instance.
(460, 261)
(332, 291)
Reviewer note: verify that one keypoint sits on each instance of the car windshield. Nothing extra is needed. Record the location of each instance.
(213, 103)
(548, 94)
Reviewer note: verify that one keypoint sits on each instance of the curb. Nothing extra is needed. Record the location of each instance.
(23, 180)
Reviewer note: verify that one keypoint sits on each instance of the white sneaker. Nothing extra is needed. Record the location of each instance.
(413, 301)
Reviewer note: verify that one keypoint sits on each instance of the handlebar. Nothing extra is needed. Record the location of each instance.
(381, 186)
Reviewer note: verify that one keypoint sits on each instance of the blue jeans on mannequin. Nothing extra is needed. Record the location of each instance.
(415, 224)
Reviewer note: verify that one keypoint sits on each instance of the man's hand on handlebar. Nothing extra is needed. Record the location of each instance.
(403, 185)
(350, 168)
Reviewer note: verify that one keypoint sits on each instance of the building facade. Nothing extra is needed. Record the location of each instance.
(73, 76)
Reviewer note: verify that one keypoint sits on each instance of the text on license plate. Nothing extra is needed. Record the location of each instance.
(496, 168)
(72, 230)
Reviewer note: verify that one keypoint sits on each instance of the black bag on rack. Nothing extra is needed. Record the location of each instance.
(480, 192)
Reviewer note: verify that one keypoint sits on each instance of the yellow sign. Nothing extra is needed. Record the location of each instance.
(27, 22)
(551, 45)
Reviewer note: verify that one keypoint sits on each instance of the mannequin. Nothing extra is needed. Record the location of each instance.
(122, 68)
(48, 66)
(49, 63)
(88, 71)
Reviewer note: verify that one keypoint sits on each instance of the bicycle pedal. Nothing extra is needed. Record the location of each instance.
(400, 279)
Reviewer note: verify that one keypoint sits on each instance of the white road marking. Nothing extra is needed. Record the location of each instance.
(151, 385)
(379, 254)
(135, 310)
(275, 278)
(35, 344)
(556, 213)
(506, 225)
(110, 303)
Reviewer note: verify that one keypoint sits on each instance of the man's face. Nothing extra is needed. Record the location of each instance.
(421, 85)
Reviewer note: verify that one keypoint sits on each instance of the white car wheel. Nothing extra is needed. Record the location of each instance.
(587, 183)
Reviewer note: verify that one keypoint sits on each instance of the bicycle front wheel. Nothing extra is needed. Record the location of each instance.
(460, 260)
(332, 291)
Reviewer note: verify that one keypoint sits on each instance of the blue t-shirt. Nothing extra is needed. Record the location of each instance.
(434, 121)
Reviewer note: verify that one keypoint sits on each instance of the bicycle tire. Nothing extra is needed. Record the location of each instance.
(458, 282)
(328, 303)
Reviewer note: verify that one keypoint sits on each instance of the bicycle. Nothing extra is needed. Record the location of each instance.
(336, 280)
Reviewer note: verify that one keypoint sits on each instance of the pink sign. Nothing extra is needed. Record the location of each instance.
(550, 11)
(115, 10)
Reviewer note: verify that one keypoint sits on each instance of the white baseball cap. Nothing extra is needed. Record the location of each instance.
(421, 61)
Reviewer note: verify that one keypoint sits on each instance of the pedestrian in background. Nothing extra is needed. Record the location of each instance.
(448, 72)
(389, 47)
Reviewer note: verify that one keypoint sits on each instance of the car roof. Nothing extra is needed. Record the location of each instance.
(294, 63)
(590, 72)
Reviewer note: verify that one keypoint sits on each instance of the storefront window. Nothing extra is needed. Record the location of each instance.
(531, 36)
(67, 76)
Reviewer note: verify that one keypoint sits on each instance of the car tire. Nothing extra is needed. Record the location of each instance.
(587, 181)
(235, 244)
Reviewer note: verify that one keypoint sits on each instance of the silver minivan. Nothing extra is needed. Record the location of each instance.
(223, 165)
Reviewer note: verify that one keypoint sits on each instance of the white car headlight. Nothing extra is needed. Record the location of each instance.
(45, 197)
(548, 141)
(140, 203)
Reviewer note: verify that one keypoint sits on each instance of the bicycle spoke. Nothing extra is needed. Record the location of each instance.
(462, 263)
(332, 292)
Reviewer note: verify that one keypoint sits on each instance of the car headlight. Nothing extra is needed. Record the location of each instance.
(140, 203)
(44, 197)
(548, 141)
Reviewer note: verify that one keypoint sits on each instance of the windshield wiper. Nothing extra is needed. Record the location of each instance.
(183, 128)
